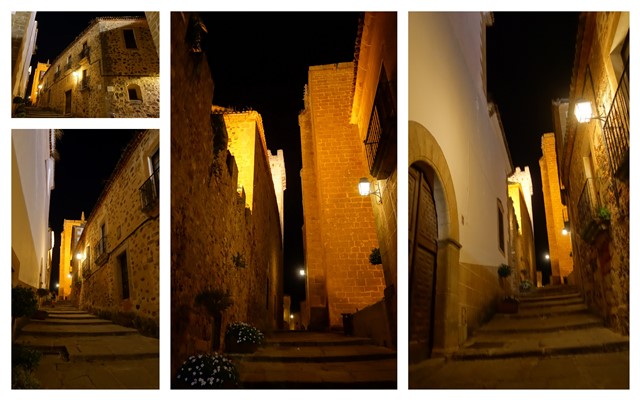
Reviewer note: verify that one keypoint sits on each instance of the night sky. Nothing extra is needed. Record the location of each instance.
(529, 62)
(86, 160)
(260, 61)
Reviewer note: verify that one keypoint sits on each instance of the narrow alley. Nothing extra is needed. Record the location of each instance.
(80, 351)
(552, 342)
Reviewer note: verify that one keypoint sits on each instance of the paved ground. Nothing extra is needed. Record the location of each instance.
(84, 352)
(552, 342)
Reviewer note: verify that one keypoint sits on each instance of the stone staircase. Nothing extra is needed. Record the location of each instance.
(35, 112)
(550, 321)
(317, 360)
(81, 351)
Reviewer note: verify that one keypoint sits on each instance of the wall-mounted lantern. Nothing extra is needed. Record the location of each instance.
(584, 111)
(364, 187)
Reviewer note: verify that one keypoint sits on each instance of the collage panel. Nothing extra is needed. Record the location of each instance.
(85, 258)
(283, 200)
(518, 120)
(85, 65)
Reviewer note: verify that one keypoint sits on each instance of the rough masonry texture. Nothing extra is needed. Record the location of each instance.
(595, 178)
(223, 208)
(71, 231)
(339, 226)
(111, 69)
(555, 213)
(120, 265)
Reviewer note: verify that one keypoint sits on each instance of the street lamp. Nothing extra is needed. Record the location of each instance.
(302, 272)
(584, 112)
(364, 188)
(546, 256)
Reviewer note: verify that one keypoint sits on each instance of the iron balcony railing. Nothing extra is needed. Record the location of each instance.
(380, 143)
(588, 206)
(56, 75)
(150, 191)
(67, 66)
(616, 127)
(100, 251)
(84, 53)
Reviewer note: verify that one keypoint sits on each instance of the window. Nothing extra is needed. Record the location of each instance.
(150, 189)
(500, 227)
(135, 95)
(129, 39)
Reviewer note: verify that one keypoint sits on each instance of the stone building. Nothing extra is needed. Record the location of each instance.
(225, 231)
(348, 134)
(111, 69)
(24, 30)
(41, 68)
(557, 217)
(521, 239)
(592, 143)
(459, 166)
(117, 256)
(32, 179)
(71, 232)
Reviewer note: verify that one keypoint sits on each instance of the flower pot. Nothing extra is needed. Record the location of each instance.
(231, 346)
(507, 307)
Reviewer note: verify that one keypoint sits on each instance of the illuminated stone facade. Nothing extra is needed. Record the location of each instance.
(593, 160)
(339, 225)
(24, 30)
(110, 70)
(37, 78)
(225, 224)
(71, 231)
(522, 243)
(119, 263)
(560, 256)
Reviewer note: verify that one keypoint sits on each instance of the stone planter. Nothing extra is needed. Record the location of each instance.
(231, 346)
(507, 307)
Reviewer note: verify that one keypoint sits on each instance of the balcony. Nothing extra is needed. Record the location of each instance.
(67, 66)
(616, 128)
(150, 191)
(84, 52)
(84, 84)
(100, 251)
(380, 143)
(592, 218)
(56, 75)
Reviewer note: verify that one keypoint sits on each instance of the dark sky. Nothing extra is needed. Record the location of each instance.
(86, 160)
(56, 31)
(260, 61)
(529, 63)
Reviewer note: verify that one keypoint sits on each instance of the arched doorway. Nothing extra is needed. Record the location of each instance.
(423, 254)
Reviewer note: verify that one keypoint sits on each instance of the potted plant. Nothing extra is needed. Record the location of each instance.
(241, 337)
(375, 258)
(508, 304)
(207, 371)
(215, 301)
(525, 285)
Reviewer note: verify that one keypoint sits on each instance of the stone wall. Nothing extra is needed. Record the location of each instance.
(66, 257)
(213, 228)
(603, 261)
(111, 69)
(340, 276)
(128, 232)
(559, 244)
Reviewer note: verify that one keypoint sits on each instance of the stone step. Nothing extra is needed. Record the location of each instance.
(380, 374)
(554, 310)
(37, 329)
(581, 341)
(86, 348)
(71, 321)
(306, 339)
(524, 297)
(503, 323)
(317, 354)
(550, 302)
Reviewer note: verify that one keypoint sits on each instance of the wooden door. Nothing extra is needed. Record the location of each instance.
(423, 246)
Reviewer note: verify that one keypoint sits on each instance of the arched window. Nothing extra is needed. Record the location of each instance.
(135, 95)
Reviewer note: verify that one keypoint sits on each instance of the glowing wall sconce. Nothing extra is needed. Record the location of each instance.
(364, 187)
(566, 230)
(302, 272)
(584, 112)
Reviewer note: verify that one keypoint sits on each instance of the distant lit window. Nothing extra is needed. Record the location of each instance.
(129, 39)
